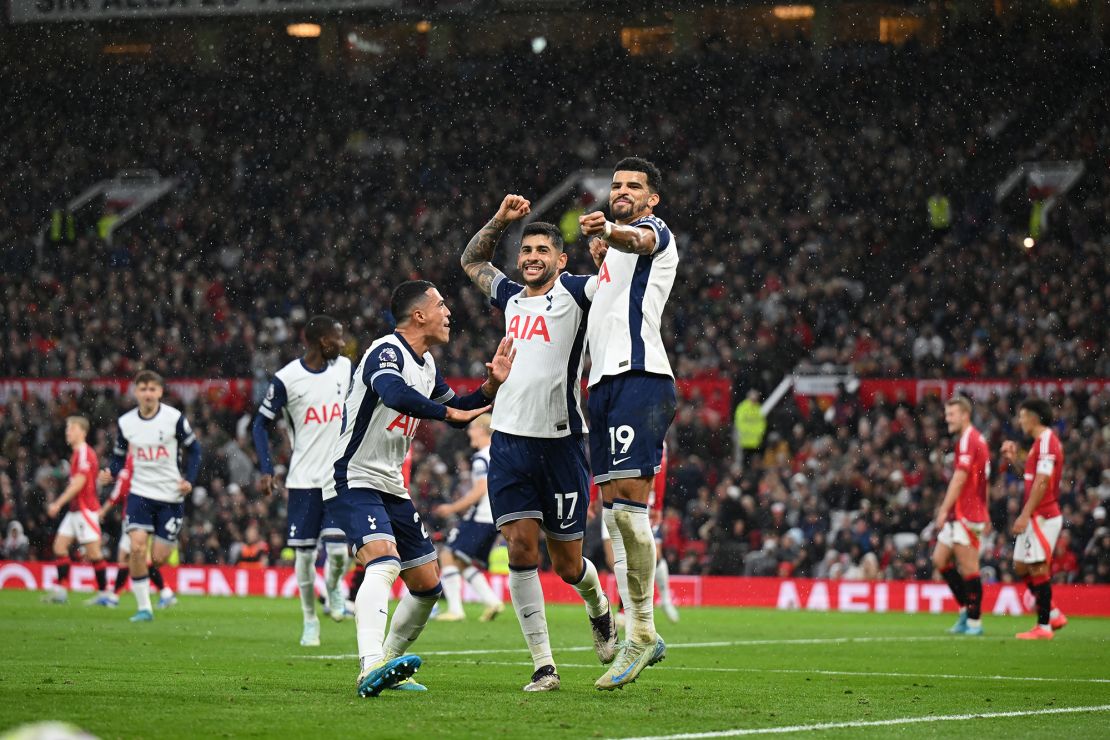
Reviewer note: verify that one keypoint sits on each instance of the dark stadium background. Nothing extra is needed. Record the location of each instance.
(801, 147)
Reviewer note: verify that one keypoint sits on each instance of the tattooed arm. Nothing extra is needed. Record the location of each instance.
(476, 257)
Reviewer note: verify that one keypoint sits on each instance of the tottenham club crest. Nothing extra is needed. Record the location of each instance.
(388, 358)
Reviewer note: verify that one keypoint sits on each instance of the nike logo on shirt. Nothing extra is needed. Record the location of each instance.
(618, 462)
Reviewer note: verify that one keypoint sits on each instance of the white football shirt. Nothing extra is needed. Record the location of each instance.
(624, 322)
(479, 470)
(542, 396)
(312, 406)
(154, 444)
(375, 438)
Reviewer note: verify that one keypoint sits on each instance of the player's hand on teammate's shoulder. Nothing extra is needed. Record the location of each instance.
(502, 363)
(513, 208)
(598, 250)
(592, 224)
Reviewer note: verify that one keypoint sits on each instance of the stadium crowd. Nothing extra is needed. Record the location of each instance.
(841, 491)
(311, 197)
(306, 197)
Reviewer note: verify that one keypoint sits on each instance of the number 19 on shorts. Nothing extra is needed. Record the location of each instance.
(620, 437)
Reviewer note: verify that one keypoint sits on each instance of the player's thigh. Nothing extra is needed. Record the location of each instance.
(421, 579)
(522, 536)
(566, 486)
(566, 557)
(639, 411)
(967, 559)
(628, 489)
(367, 524)
(87, 526)
(414, 547)
(62, 543)
(167, 519)
(514, 493)
(333, 525)
(1034, 546)
(305, 514)
(472, 541)
(597, 406)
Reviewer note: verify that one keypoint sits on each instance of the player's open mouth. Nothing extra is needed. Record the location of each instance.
(533, 269)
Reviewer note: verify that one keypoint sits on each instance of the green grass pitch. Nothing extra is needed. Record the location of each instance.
(232, 667)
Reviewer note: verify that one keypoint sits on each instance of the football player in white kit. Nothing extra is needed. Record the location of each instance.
(153, 433)
(309, 393)
(539, 474)
(471, 539)
(395, 385)
(632, 391)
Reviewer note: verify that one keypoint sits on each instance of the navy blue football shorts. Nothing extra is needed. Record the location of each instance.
(545, 479)
(629, 417)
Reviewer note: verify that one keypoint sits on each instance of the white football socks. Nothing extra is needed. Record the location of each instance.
(620, 560)
(409, 620)
(663, 580)
(335, 567)
(639, 546)
(452, 589)
(372, 608)
(304, 566)
(589, 588)
(477, 580)
(141, 588)
(527, 595)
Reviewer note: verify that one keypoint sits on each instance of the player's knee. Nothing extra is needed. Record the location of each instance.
(569, 571)
(523, 551)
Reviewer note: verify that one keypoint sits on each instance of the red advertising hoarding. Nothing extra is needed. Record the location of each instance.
(773, 593)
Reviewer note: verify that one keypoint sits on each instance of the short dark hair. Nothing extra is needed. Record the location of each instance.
(544, 228)
(317, 328)
(149, 376)
(405, 296)
(639, 164)
(1038, 407)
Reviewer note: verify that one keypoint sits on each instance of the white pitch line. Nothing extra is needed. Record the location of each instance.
(862, 674)
(874, 723)
(680, 645)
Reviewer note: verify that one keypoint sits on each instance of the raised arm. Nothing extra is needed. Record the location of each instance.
(479, 251)
(641, 240)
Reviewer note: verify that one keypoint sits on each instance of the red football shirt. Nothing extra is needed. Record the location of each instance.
(83, 462)
(123, 484)
(1046, 457)
(973, 457)
(660, 483)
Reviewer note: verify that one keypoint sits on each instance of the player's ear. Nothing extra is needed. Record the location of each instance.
(561, 262)
(653, 200)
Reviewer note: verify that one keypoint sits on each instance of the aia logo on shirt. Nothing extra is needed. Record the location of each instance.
(323, 415)
(533, 327)
(151, 453)
(406, 425)
(603, 274)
